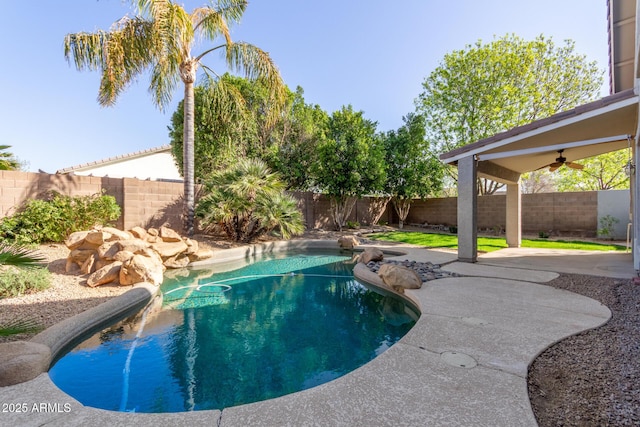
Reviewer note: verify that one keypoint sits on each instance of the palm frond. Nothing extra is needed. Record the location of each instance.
(20, 256)
(256, 64)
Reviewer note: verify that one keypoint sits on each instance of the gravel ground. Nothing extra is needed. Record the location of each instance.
(593, 378)
(590, 379)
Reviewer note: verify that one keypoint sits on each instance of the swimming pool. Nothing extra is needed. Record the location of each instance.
(271, 328)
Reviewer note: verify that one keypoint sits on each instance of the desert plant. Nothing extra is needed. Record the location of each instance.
(15, 282)
(247, 201)
(607, 226)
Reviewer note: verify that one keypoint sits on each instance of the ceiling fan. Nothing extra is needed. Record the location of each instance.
(563, 161)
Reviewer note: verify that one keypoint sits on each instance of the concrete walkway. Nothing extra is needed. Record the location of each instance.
(464, 363)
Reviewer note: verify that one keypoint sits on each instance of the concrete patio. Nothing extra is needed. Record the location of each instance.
(464, 363)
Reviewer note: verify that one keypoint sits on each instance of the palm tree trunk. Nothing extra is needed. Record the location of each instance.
(188, 159)
(188, 75)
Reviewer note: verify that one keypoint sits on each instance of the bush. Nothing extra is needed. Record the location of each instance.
(353, 224)
(15, 282)
(54, 219)
(247, 201)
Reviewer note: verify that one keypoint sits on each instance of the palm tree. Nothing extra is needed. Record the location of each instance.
(7, 161)
(247, 201)
(160, 39)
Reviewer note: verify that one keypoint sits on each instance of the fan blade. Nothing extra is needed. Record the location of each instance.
(554, 166)
(575, 165)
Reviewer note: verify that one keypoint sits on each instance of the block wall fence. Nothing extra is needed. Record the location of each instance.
(154, 203)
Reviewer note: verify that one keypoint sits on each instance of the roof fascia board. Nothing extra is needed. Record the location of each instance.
(543, 129)
(515, 153)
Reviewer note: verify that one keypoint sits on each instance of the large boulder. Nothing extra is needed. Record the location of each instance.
(141, 269)
(169, 249)
(139, 233)
(169, 235)
(133, 245)
(399, 278)
(117, 234)
(106, 274)
(75, 239)
(348, 242)
(97, 237)
(201, 254)
(179, 261)
(371, 254)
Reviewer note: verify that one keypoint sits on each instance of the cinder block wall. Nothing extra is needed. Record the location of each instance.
(153, 203)
(144, 203)
(572, 213)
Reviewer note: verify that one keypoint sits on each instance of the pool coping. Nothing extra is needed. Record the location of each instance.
(407, 384)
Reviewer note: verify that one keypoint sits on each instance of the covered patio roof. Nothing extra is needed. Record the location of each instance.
(599, 127)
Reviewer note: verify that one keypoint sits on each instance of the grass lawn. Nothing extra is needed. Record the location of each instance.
(487, 244)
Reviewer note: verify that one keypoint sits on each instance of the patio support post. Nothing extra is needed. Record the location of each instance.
(635, 203)
(514, 217)
(467, 209)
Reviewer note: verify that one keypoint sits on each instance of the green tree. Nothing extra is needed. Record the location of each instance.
(604, 172)
(489, 88)
(222, 124)
(8, 162)
(300, 132)
(160, 39)
(413, 171)
(350, 162)
(247, 201)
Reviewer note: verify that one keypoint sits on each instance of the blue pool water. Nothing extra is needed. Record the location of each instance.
(271, 328)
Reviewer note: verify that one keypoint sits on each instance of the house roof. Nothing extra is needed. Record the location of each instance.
(585, 131)
(116, 159)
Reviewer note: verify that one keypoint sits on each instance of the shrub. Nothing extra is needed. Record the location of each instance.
(247, 201)
(15, 282)
(52, 220)
(353, 224)
(607, 227)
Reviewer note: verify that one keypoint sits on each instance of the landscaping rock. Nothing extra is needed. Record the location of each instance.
(109, 256)
(75, 239)
(348, 242)
(139, 233)
(169, 235)
(106, 274)
(399, 278)
(117, 234)
(141, 269)
(371, 254)
(202, 254)
(97, 237)
(179, 261)
(133, 245)
(169, 249)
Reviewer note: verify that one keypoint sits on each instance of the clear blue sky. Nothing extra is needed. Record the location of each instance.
(373, 54)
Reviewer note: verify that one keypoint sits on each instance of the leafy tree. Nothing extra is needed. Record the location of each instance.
(160, 39)
(8, 162)
(604, 172)
(489, 88)
(350, 162)
(413, 171)
(539, 181)
(301, 131)
(223, 127)
(247, 201)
